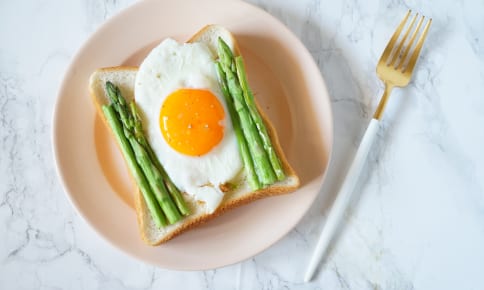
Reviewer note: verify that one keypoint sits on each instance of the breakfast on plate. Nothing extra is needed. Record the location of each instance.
(191, 133)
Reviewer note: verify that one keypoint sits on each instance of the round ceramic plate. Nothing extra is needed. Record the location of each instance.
(286, 82)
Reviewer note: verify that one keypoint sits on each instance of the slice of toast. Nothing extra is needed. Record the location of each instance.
(124, 78)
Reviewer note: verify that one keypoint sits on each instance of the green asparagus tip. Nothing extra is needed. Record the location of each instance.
(111, 92)
(225, 53)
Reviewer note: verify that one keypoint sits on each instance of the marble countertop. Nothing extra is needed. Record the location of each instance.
(419, 220)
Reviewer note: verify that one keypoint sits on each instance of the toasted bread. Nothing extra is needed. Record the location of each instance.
(124, 77)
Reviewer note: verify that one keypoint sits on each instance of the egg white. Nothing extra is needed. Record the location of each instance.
(168, 67)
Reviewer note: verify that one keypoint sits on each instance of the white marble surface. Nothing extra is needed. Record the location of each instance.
(419, 223)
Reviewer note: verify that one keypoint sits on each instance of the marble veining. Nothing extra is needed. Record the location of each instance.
(418, 220)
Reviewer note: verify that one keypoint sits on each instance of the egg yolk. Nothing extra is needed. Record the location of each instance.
(190, 121)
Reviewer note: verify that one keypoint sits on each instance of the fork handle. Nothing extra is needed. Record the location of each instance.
(343, 198)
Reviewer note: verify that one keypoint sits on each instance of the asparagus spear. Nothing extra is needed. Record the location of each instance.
(244, 150)
(225, 55)
(153, 175)
(117, 127)
(155, 180)
(254, 113)
(261, 161)
(140, 137)
(262, 164)
(119, 104)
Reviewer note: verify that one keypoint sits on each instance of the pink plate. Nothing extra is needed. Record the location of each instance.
(287, 84)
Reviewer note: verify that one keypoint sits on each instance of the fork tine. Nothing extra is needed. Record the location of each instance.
(418, 48)
(393, 40)
(410, 43)
(402, 42)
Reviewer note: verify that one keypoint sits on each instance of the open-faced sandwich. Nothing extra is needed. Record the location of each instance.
(193, 137)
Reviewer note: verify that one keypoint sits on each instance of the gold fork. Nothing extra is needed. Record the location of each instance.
(395, 69)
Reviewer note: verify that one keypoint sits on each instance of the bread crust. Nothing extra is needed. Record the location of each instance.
(198, 217)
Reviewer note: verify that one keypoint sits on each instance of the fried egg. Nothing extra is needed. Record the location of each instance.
(186, 119)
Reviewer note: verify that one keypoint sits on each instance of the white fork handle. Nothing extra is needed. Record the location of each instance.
(343, 198)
